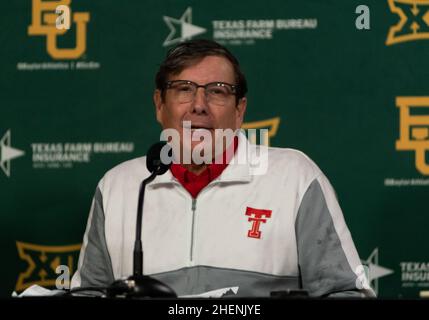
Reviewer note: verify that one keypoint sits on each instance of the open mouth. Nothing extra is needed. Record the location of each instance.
(200, 128)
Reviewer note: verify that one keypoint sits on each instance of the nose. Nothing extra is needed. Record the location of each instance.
(199, 104)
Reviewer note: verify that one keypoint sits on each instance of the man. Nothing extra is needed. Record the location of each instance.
(220, 227)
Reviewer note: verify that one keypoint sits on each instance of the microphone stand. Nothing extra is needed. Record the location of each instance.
(139, 285)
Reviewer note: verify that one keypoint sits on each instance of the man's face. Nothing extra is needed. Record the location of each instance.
(202, 114)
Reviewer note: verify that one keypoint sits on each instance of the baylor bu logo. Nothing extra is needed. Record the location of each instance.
(42, 262)
(413, 23)
(270, 125)
(256, 216)
(43, 24)
(414, 128)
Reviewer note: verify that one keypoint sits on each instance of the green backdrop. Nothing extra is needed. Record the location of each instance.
(334, 90)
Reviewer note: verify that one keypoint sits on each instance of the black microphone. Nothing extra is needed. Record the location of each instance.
(139, 285)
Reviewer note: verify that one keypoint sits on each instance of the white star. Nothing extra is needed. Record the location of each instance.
(375, 270)
(7, 153)
(187, 29)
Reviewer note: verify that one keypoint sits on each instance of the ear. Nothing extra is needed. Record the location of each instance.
(159, 104)
(240, 111)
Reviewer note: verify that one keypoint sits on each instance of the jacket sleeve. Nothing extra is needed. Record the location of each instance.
(328, 261)
(94, 266)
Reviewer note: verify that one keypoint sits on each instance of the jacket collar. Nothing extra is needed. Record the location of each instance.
(238, 169)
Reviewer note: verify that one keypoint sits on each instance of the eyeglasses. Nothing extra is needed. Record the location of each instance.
(218, 93)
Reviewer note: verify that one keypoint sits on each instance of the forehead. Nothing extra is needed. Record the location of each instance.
(208, 69)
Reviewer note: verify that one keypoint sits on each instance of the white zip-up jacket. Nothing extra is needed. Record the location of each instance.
(253, 233)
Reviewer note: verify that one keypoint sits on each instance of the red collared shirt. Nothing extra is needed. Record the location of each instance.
(195, 183)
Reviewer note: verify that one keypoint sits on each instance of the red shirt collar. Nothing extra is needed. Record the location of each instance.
(195, 183)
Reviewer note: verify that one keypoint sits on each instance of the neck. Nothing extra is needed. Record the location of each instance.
(195, 168)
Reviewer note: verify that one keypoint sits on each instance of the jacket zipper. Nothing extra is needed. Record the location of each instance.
(194, 225)
(194, 207)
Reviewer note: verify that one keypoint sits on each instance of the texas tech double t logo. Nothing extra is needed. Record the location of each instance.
(256, 216)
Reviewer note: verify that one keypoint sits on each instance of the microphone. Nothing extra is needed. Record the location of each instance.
(139, 285)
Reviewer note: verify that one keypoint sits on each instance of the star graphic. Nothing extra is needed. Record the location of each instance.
(7, 153)
(375, 270)
(187, 29)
